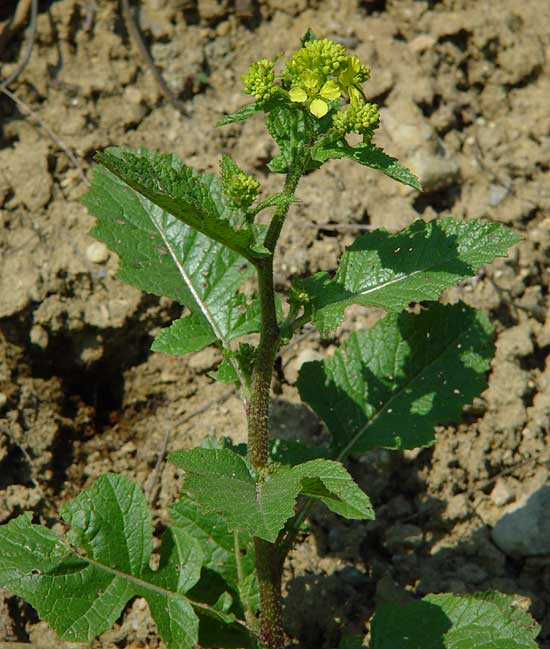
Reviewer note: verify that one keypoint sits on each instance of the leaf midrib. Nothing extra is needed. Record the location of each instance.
(349, 446)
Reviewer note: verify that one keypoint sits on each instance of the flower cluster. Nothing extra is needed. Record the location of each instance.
(260, 81)
(358, 117)
(241, 188)
(322, 71)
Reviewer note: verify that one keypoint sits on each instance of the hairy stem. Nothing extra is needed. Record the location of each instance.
(268, 565)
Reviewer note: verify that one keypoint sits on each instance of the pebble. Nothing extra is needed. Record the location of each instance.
(524, 529)
(97, 252)
(398, 537)
(422, 42)
(435, 171)
(501, 494)
(39, 336)
(497, 193)
(3, 400)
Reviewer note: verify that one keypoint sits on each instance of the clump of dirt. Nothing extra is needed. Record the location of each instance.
(463, 91)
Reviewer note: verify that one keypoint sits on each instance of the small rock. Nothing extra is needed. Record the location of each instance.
(458, 507)
(39, 336)
(497, 193)
(97, 252)
(435, 171)
(422, 42)
(398, 537)
(471, 573)
(353, 577)
(501, 494)
(133, 95)
(3, 400)
(524, 530)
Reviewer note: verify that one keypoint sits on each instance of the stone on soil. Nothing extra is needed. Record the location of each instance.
(524, 530)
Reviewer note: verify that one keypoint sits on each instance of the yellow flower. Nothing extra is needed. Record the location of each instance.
(315, 92)
(353, 74)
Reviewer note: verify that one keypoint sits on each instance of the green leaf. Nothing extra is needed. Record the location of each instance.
(329, 482)
(242, 114)
(351, 642)
(179, 190)
(390, 385)
(216, 541)
(308, 37)
(274, 201)
(82, 596)
(487, 621)
(292, 129)
(261, 508)
(366, 154)
(393, 270)
(243, 358)
(233, 318)
(162, 255)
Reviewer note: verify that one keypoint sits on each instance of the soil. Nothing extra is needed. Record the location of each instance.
(464, 88)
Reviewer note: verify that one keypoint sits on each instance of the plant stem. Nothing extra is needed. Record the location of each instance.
(268, 564)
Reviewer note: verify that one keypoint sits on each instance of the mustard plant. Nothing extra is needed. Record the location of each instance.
(198, 238)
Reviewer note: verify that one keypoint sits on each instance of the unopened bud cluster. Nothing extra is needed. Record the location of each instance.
(241, 188)
(357, 118)
(320, 72)
(260, 81)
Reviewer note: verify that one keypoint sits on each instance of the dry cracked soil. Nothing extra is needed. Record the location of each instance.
(464, 90)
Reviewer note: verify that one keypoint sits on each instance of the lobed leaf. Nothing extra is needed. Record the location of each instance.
(390, 385)
(179, 190)
(82, 596)
(393, 270)
(485, 621)
(161, 255)
(261, 508)
(216, 541)
(366, 154)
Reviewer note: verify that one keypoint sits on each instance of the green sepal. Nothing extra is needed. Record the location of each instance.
(390, 385)
(308, 37)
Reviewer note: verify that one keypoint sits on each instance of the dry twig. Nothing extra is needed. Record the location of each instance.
(64, 147)
(15, 22)
(28, 48)
(135, 35)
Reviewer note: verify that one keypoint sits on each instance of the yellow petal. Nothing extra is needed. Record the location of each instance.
(330, 90)
(297, 95)
(318, 107)
(310, 80)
